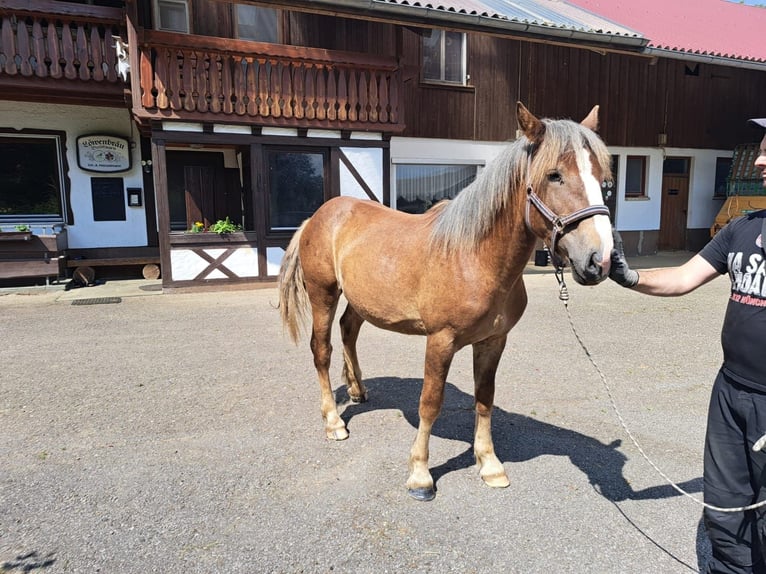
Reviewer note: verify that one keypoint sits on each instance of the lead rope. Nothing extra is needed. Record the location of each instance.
(564, 296)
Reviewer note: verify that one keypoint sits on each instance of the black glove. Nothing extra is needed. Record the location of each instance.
(620, 272)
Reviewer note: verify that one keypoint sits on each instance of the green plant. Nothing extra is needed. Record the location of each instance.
(22, 227)
(197, 227)
(224, 226)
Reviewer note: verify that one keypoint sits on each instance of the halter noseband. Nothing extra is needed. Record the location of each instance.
(559, 224)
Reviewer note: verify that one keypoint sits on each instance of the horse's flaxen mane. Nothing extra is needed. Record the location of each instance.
(466, 220)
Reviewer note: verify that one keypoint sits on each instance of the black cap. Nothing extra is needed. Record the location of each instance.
(757, 122)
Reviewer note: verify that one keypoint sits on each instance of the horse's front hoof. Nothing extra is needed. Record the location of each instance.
(497, 481)
(422, 494)
(337, 434)
(356, 399)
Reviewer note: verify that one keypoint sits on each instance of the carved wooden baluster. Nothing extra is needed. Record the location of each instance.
(342, 95)
(332, 95)
(252, 87)
(96, 54)
(227, 88)
(364, 97)
(176, 64)
(54, 51)
(9, 46)
(353, 96)
(263, 87)
(374, 98)
(22, 47)
(214, 82)
(276, 70)
(161, 71)
(38, 49)
(239, 87)
(187, 79)
(383, 96)
(321, 93)
(393, 114)
(110, 56)
(83, 57)
(147, 77)
(310, 92)
(288, 95)
(202, 81)
(299, 90)
(67, 47)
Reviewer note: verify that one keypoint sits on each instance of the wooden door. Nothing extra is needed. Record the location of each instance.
(675, 205)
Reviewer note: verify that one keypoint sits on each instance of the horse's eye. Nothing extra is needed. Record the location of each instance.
(555, 177)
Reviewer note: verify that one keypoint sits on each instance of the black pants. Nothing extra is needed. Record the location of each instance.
(734, 476)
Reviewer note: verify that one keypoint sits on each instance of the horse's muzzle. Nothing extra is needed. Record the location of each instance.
(593, 271)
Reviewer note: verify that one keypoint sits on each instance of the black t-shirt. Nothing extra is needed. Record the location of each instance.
(737, 249)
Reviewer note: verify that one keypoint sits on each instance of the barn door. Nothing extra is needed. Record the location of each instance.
(675, 204)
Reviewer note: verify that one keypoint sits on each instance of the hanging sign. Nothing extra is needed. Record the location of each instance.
(103, 153)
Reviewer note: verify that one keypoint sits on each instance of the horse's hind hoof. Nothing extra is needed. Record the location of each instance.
(337, 434)
(422, 494)
(356, 399)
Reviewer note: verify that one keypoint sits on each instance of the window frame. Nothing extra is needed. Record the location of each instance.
(157, 20)
(66, 215)
(442, 64)
(641, 193)
(279, 33)
(325, 152)
(717, 179)
(478, 165)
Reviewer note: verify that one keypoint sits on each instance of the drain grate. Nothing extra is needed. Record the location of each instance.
(97, 301)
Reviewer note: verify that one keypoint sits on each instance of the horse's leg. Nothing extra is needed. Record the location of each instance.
(439, 352)
(350, 323)
(486, 356)
(323, 305)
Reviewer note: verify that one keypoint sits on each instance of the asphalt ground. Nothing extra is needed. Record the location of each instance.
(180, 433)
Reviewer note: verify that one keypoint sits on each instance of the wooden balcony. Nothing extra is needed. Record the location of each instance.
(56, 51)
(199, 78)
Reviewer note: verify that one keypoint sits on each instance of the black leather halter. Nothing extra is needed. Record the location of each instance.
(558, 223)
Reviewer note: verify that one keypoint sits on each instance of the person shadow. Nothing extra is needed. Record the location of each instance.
(518, 438)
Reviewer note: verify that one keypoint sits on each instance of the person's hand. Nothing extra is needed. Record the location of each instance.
(620, 272)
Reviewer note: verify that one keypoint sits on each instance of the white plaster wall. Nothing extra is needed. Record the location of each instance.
(77, 121)
(644, 214)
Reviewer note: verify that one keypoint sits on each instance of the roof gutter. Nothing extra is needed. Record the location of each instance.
(705, 59)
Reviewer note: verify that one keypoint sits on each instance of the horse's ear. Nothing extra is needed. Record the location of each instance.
(533, 128)
(591, 121)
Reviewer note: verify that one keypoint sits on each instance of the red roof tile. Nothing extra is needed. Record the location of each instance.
(701, 27)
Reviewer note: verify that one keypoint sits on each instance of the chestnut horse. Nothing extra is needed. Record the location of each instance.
(453, 274)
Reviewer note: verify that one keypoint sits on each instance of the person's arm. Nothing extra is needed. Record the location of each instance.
(663, 282)
(674, 281)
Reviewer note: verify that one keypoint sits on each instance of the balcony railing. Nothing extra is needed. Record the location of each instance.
(46, 39)
(202, 78)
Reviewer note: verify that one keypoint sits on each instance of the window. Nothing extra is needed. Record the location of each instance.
(297, 186)
(444, 57)
(172, 15)
(257, 23)
(635, 176)
(722, 169)
(32, 187)
(419, 186)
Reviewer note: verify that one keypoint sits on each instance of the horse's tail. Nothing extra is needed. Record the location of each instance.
(293, 299)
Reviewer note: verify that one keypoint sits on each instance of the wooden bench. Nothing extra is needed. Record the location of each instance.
(85, 272)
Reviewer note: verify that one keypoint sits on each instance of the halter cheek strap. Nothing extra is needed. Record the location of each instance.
(559, 224)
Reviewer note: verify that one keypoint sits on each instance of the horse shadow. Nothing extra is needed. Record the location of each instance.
(517, 438)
